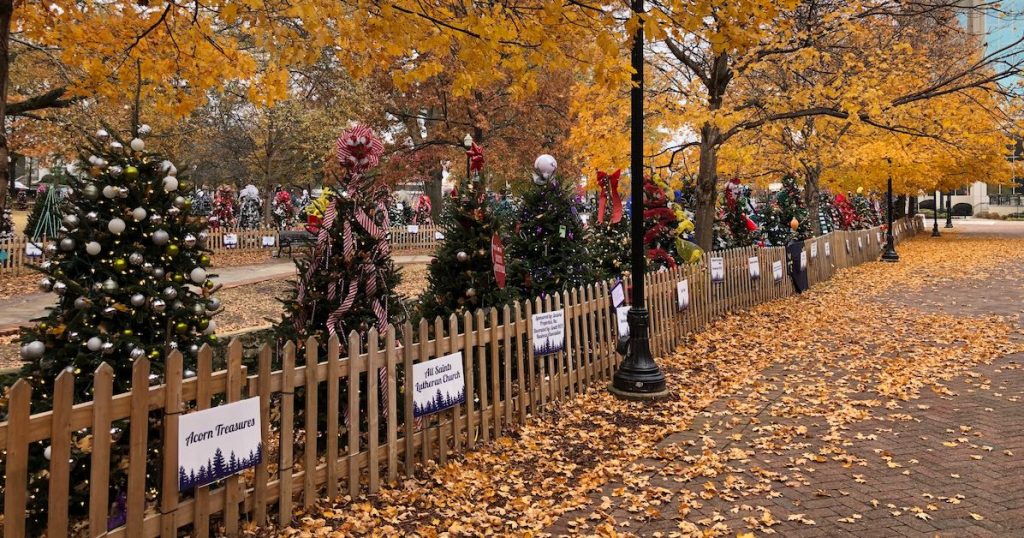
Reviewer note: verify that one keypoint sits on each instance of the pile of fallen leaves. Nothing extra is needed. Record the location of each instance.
(838, 353)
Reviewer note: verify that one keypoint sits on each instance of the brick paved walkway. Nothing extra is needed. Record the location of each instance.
(784, 455)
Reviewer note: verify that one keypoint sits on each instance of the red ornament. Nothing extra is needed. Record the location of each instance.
(476, 158)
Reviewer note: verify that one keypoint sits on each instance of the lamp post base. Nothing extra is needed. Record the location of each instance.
(935, 231)
(636, 396)
(949, 224)
(890, 255)
(638, 377)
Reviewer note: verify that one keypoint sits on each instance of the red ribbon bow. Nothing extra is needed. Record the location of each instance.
(476, 158)
(358, 149)
(609, 184)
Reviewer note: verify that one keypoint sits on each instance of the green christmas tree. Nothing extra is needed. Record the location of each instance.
(827, 212)
(867, 215)
(608, 236)
(6, 226)
(548, 253)
(44, 220)
(784, 216)
(129, 278)
(461, 274)
(347, 280)
(736, 213)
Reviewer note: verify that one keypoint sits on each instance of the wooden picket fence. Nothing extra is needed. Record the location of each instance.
(366, 442)
(404, 240)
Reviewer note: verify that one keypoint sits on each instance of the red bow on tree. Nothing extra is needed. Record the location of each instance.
(358, 149)
(476, 158)
(609, 192)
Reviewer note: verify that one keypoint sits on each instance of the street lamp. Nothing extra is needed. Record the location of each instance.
(890, 254)
(468, 142)
(935, 214)
(638, 377)
(949, 209)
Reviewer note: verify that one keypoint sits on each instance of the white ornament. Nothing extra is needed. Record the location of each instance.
(545, 165)
(139, 214)
(116, 145)
(198, 275)
(170, 184)
(94, 343)
(92, 248)
(145, 129)
(110, 191)
(94, 159)
(102, 133)
(211, 328)
(46, 452)
(168, 168)
(137, 144)
(116, 226)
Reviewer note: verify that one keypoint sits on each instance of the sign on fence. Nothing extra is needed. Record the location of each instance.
(413, 228)
(683, 294)
(828, 249)
(621, 316)
(230, 240)
(618, 294)
(218, 442)
(269, 240)
(438, 236)
(860, 243)
(548, 332)
(755, 267)
(498, 257)
(438, 384)
(814, 250)
(777, 271)
(717, 269)
(847, 246)
(803, 260)
(33, 249)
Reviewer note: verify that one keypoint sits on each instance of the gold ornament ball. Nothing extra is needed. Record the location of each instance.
(178, 278)
(181, 327)
(208, 284)
(203, 324)
(204, 260)
(155, 354)
(212, 338)
(794, 224)
(127, 332)
(42, 326)
(120, 264)
(131, 173)
(172, 250)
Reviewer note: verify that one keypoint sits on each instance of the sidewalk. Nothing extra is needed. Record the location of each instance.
(19, 310)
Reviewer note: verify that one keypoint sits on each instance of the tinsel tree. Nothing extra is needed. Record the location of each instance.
(283, 210)
(202, 203)
(667, 228)
(738, 214)
(347, 280)
(128, 273)
(461, 275)
(826, 212)
(250, 208)
(608, 236)
(421, 214)
(223, 207)
(44, 220)
(547, 252)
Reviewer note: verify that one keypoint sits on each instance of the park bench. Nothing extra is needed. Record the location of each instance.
(290, 238)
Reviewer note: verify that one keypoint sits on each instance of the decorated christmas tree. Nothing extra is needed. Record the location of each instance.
(129, 280)
(461, 275)
(21, 201)
(223, 207)
(667, 228)
(843, 213)
(784, 217)
(399, 213)
(347, 280)
(250, 208)
(202, 203)
(608, 236)
(283, 210)
(44, 220)
(826, 212)
(6, 225)
(547, 252)
(422, 211)
(737, 212)
(867, 214)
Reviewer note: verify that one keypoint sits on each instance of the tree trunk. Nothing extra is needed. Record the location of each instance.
(811, 188)
(432, 189)
(707, 186)
(6, 10)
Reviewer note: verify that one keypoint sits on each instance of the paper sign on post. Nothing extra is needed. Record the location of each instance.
(803, 260)
(879, 238)
(218, 442)
(683, 294)
(847, 246)
(717, 270)
(548, 332)
(777, 271)
(33, 249)
(438, 384)
(828, 249)
(269, 240)
(814, 250)
(621, 317)
(860, 243)
(754, 265)
(618, 294)
(438, 236)
(230, 240)
(413, 228)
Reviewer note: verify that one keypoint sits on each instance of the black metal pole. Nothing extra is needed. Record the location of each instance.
(890, 254)
(937, 198)
(949, 209)
(638, 377)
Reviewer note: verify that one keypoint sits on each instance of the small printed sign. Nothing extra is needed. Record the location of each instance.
(754, 265)
(621, 318)
(814, 250)
(438, 236)
(860, 243)
(413, 228)
(847, 246)
(618, 294)
(777, 271)
(230, 240)
(803, 260)
(561, 231)
(498, 258)
(828, 249)
(33, 250)
(548, 332)
(269, 240)
(438, 384)
(218, 442)
(683, 294)
(717, 269)
(879, 238)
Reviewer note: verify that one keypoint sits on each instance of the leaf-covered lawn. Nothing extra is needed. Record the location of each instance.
(791, 404)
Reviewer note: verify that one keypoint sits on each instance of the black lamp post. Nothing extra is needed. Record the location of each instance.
(890, 254)
(949, 209)
(468, 143)
(638, 377)
(935, 214)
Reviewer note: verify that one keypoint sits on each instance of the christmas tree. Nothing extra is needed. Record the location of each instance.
(843, 213)
(223, 207)
(667, 229)
(44, 221)
(826, 212)
(347, 281)
(316, 207)
(6, 225)
(784, 218)
(867, 214)
(128, 274)
(21, 201)
(399, 213)
(423, 209)
(547, 251)
(461, 274)
(202, 203)
(608, 236)
(283, 210)
(249, 208)
(737, 211)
